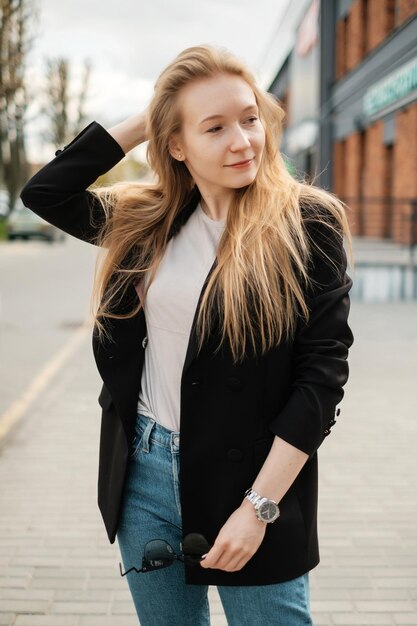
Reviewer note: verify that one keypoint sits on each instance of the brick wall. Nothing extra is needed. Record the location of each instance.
(355, 35)
(347, 172)
(405, 169)
(380, 20)
(362, 163)
(404, 10)
(386, 177)
(367, 24)
(373, 180)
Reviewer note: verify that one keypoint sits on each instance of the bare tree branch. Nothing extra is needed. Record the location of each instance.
(17, 18)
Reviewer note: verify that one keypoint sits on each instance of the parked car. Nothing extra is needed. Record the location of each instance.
(25, 224)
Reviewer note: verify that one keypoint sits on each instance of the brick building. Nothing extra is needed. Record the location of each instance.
(346, 73)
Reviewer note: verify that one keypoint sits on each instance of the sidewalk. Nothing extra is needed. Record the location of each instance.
(57, 567)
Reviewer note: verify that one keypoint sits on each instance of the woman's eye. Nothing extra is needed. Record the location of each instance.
(252, 119)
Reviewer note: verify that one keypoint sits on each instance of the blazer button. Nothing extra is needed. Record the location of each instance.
(338, 412)
(144, 342)
(234, 383)
(195, 383)
(235, 455)
(58, 152)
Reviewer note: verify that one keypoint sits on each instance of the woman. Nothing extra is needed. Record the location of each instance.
(221, 322)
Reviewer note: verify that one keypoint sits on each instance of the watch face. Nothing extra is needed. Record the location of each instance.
(268, 511)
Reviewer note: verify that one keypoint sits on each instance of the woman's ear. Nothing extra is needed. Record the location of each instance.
(175, 149)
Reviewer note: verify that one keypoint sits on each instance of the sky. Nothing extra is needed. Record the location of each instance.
(129, 42)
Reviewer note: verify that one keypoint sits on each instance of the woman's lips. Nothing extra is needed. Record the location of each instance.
(242, 164)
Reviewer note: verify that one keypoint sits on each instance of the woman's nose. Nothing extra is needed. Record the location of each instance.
(239, 139)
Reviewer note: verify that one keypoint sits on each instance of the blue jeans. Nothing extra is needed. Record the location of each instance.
(151, 510)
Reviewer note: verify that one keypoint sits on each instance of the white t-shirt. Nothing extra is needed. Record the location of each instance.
(170, 307)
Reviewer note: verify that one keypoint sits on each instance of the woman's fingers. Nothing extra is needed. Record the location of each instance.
(226, 557)
(213, 555)
(236, 564)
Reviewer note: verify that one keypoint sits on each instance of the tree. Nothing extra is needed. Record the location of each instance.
(15, 18)
(59, 101)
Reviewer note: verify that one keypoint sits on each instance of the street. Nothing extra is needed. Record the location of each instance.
(44, 291)
(57, 567)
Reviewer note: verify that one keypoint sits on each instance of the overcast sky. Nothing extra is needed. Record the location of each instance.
(129, 42)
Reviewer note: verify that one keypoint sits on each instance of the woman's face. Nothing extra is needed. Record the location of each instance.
(233, 134)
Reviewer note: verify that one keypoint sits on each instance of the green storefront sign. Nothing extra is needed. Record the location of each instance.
(391, 89)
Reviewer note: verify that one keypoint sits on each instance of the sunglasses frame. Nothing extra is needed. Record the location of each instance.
(189, 556)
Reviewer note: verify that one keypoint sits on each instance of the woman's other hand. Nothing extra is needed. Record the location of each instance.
(237, 541)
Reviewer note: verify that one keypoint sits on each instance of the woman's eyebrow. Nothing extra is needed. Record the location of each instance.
(212, 117)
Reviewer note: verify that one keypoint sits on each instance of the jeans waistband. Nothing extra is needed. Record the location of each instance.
(150, 431)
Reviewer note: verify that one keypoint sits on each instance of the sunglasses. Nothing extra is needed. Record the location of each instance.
(158, 553)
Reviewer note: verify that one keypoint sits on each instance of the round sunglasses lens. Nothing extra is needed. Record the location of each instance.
(195, 544)
(158, 554)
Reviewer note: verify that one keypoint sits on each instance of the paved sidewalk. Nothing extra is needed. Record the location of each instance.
(57, 567)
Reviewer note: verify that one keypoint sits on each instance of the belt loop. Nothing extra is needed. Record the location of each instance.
(146, 434)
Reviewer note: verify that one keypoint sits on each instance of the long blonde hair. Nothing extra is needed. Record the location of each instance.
(259, 282)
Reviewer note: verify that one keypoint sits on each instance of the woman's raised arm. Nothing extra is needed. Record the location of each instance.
(59, 191)
(131, 132)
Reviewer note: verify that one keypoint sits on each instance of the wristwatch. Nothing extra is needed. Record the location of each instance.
(266, 510)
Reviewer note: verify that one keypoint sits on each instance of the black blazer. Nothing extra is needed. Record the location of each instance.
(230, 414)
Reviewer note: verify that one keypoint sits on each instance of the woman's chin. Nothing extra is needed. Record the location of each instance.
(243, 183)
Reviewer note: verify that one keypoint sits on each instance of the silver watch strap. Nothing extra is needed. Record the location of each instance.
(256, 499)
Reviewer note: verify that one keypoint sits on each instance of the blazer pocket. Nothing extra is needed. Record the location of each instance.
(105, 399)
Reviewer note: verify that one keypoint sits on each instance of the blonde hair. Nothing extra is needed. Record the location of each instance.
(257, 287)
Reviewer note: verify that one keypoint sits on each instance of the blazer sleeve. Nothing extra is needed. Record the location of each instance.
(320, 349)
(58, 191)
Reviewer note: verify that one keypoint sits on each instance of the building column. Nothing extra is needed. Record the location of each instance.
(326, 78)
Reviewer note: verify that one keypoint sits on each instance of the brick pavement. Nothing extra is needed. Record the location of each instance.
(57, 567)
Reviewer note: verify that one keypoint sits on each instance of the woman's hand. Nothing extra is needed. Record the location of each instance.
(131, 132)
(237, 541)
